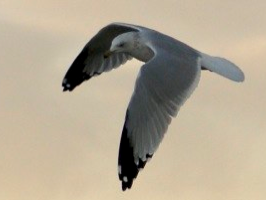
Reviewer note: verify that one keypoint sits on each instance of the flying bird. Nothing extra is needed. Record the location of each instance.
(170, 73)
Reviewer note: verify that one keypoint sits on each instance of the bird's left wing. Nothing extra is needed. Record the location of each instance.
(163, 85)
(91, 59)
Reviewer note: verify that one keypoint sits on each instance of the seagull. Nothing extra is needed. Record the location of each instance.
(170, 73)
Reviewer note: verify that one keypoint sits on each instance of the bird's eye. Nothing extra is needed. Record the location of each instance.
(121, 45)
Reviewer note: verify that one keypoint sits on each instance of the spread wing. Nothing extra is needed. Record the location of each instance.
(91, 60)
(163, 85)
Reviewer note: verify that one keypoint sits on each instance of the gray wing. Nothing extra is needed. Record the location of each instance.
(163, 85)
(91, 61)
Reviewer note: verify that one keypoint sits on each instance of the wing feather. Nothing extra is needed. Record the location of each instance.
(91, 61)
(163, 85)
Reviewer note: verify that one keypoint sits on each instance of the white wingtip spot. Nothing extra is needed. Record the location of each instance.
(136, 161)
(125, 179)
(68, 85)
(119, 169)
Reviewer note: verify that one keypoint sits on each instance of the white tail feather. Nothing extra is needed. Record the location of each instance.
(223, 67)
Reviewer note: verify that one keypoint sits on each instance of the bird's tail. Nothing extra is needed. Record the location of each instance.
(222, 67)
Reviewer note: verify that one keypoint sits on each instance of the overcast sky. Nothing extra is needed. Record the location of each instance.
(64, 146)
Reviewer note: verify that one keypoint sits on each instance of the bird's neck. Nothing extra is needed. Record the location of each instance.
(142, 52)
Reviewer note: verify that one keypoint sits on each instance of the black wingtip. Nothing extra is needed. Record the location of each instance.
(75, 74)
(126, 185)
(65, 89)
(66, 86)
(127, 168)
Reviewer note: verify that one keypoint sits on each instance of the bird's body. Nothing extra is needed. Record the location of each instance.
(169, 76)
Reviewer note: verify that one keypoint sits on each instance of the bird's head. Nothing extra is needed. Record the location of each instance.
(122, 43)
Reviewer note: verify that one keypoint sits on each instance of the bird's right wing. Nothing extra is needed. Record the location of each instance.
(91, 59)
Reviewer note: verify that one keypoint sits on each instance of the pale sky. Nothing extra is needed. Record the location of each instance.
(64, 146)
